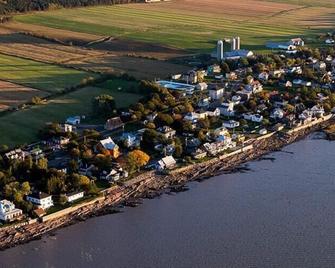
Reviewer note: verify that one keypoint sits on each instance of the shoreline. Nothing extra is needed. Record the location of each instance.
(150, 185)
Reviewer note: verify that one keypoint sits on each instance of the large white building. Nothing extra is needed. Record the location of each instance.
(215, 92)
(8, 212)
(41, 200)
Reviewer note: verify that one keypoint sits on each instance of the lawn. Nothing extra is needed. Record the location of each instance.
(193, 26)
(22, 126)
(45, 77)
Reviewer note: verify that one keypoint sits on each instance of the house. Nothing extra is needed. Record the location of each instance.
(36, 154)
(299, 42)
(277, 113)
(219, 146)
(244, 95)
(263, 131)
(254, 87)
(71, 197)
(192, 144)
(17, 154)
(306, 116)
(190, 77)
(213, 112)
(167, 162)
(236, 99)
(130, 140)
(216, 92)
(41, 200)
(62, 141)
(167, 132)
(114, 123)
(8, 212)
(203, 103)
(227, 109)
(277, 73)
(214, 69)
(113, 174)
(329, 41)
(67, 128)
(231, 76)
(194, 117)
(199, 154)
(87, 170)
(320, 66)
(109, 145)
(231, 124)
(317, 111)
(73, 120)
(201, 86)
(263, 76)
(253, 117)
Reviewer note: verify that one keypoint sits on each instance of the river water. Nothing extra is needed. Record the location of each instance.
(280, 213)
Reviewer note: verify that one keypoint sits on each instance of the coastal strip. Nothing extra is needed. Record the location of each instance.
(151, 184)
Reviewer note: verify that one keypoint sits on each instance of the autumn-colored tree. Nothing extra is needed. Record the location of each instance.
(137, 159)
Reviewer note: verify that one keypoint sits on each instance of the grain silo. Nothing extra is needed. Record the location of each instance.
(219, 50)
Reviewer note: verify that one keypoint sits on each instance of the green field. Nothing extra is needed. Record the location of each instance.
(22, 126)
(46, 77)
(190, 26)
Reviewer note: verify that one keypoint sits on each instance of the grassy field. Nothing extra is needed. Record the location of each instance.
(23, 126)
(45, 77)
(195, 25)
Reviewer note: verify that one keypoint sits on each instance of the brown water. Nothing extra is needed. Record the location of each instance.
(281, 213)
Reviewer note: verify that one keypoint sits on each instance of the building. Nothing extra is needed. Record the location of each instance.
(299, 42)
(109, 145)
(17, 154)
(188, 89)
(231, 124)
(227, 109)
(71, 197)
(36, 154)
(167, 162)
(114, 123)
(8, 212)
(41, 200)
(238, 54)
(73, 120)
(219, 50)
(253, 117)
(201, 86)
(215, 92)
(167, 132)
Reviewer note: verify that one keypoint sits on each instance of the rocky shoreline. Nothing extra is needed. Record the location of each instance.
(151, 185)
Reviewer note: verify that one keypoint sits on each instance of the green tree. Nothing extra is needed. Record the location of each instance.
(104, 105)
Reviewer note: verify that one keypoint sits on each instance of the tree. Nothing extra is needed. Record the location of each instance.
(164, 119)
(104, 105)
(42, 163)
(55, 185)
(136, 159)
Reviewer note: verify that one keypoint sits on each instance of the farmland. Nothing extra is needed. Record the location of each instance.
(23, 126)
(45, 77)
(194, 25)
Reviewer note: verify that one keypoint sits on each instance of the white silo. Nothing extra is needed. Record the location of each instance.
(238, 43)
(219, 50)
(233, 44)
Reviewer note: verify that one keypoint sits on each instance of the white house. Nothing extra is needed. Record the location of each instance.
(317, 111)
(201, 86)
(71, 197)
(41, 200)
(216, 93)
(231, 124)
(277, 113)
(253, 117)
(227, 109)
(17, 154)
(167, 162)
(8, 212)
(254, 87)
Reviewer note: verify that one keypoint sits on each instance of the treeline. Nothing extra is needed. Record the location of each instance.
(14, 6)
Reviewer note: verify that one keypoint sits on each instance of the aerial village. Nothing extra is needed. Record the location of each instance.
(217, 108)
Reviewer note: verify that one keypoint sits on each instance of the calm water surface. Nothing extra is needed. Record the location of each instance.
(281, 213)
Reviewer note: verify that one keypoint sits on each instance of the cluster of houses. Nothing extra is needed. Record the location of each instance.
(41, 201)
(236, 99)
